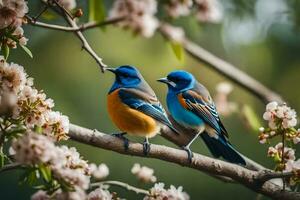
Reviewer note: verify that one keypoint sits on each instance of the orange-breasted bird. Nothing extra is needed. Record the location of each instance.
(134, 107)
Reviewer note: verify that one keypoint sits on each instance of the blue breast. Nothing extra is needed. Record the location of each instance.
(180, 114)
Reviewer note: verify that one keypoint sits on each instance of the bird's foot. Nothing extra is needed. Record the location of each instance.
(122, 137)
(146, 147)
(189, 153)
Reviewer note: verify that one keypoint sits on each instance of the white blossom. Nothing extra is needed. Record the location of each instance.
(68, 4)
(40, 195)
(100, 193)
(139, 15)
(32, 105)
(77, 194)
(282, 114)
(12, 76)
(177, 193)
(99, 172)
(224, 106)
(65, 163)
(176, 8)
(33, 148)
(208, 11)
(289, 153)
(143, 173)
(158, 192)
(224, 87)
(12, 12)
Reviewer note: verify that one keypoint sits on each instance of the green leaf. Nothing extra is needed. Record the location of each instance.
(96, 10)
(30, 176)
(2, 160)
(5, 51)
(49, 15)
(45, 172)
(178, 51)
(27, 51)
(251, 117)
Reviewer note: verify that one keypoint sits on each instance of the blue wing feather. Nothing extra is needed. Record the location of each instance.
(133, 99)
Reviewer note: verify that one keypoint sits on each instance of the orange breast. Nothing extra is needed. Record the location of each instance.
(129, 120)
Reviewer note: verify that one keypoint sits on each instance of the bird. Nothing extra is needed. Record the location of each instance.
(134, 108)
(191, 106)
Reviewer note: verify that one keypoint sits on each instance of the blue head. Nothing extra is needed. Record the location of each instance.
(179, 81)
(126, 77)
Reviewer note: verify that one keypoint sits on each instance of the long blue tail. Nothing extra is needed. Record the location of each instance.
(221, 148)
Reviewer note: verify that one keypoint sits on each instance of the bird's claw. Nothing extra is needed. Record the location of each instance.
(122, 137)
(146, 147)
(189, 153)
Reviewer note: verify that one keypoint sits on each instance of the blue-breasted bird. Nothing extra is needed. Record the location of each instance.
(191, 105)
(134, 107)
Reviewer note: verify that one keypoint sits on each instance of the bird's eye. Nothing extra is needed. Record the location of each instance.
(126, 75)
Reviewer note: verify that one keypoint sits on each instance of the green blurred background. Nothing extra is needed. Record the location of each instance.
(260, 37)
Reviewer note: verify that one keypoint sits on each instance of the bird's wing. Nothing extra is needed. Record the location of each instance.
(145, 103)
(199, 102)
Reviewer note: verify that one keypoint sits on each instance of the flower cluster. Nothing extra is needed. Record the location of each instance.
(65, 163)
(208, 11)
(281, 120)
(204, 10)
(158, 192)
(224, 106)
(100, 193)
(276, 153)
(66, 4)
(143, 173)
(177, 8)
(12, 13)
(99, 172)
(139, 15)
(31, 107)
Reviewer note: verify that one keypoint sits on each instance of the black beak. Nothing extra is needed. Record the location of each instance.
(163, 80)
(113, 70)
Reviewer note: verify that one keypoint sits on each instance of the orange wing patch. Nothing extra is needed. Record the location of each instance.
(182, 101)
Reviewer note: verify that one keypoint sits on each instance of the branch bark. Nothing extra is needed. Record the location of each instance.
(241, 175)
(231, 72)
(81, 27)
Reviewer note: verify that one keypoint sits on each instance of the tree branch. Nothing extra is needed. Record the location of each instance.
(81, 27)
(85, 45)
(264, 176)
(12, 166)
(122, 185)
(202, 163)
(231, 72)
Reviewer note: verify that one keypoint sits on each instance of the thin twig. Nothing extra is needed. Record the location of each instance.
(81, 27)
(12, 166)
(122, 185)
(40, 13)
(85, 45)
(231, 72)
(282, 159)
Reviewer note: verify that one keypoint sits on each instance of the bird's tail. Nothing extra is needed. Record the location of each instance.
(220, 147)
